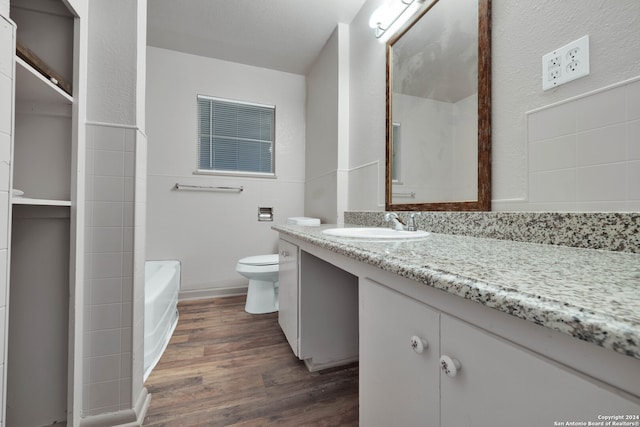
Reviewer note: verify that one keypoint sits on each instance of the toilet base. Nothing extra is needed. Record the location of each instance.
(262, 297)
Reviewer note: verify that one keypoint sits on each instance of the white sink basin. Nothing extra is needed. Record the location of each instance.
(374, 233)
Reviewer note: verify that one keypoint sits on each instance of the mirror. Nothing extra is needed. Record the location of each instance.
(438, 155)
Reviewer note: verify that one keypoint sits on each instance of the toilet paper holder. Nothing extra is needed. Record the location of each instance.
(265, 214)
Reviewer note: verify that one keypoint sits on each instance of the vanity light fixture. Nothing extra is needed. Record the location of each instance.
(389, 17)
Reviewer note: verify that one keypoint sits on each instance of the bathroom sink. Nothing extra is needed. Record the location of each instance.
(374, 233)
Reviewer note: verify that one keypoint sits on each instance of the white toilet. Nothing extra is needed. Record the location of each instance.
(262, 272)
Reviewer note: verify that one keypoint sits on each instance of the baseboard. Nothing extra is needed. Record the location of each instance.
(142, 405)
(192, 294)
(127, 418)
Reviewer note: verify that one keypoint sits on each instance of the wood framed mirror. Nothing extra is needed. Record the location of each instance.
(438, 130)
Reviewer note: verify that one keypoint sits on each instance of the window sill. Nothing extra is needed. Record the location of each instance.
(236, 174)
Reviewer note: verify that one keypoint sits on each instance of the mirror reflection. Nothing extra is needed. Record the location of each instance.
(433, 121)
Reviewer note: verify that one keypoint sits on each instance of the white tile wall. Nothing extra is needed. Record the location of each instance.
(601, 183)
(3, 294)
(601, 109)
(6, 91)
(551, 123)
(4, 232)
(7, 47)
(584, 154)
(633, 139)
(553, 154)
(136, 293)
(111, 164)
(5, 159)
(106, 342)
(108, 214)
(602, 145)
(111, 172)
(633, 180)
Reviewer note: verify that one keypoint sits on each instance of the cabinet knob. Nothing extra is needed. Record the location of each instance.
(284, 254)
(418, 344)
(449, 365)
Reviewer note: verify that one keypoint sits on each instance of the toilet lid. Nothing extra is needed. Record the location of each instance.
(260, 260)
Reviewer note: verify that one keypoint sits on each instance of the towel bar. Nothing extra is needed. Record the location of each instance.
(207, 187)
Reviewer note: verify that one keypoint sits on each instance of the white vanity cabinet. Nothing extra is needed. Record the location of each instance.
(502, 384)
(288, 292)
(317, 308)
(399, 349)
(495, 383)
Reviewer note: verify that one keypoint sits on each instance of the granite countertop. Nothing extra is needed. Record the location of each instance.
(593, 295)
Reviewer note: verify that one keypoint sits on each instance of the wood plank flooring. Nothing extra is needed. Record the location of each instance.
(224, 367)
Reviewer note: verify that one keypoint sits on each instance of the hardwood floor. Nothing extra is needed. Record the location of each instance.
(224, 367)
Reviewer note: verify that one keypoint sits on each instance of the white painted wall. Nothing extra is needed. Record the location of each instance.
(321, 155)
(522, 31)
(344, 119)
(209, 231)
(327, 134)
(367, 113)
(113, 61)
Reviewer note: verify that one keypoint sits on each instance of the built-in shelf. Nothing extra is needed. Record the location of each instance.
(31, 58)
(32, 86)
(39, 202)
(43, 228)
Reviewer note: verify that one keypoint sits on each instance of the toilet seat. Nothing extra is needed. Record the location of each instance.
(259, 260)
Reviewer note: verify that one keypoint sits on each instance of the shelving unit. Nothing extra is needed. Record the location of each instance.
(39, 202)
(42, 152)
(42, 224)
(33, 86)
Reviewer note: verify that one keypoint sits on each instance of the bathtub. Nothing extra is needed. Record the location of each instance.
(162, 283)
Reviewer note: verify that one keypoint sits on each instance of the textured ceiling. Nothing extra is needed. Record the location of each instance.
(284, 35)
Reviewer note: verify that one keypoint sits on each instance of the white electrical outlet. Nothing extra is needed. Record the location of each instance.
(566, 63)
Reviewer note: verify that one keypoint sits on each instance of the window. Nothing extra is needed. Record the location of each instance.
(235, 137)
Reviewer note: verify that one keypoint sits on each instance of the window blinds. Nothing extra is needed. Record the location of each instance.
(235, 136)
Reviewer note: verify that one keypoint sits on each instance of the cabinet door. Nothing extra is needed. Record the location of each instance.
(398, 386)
(288, 293)
(502, 384)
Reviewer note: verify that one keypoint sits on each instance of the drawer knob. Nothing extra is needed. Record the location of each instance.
(284, 254)
(418, 344)
(449, 365)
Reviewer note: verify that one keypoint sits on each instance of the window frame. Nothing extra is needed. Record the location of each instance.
(223, 172)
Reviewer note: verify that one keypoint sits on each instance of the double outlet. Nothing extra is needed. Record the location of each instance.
(566, 63)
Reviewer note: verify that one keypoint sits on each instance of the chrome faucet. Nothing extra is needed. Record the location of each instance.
(411, 224)
(396, 221)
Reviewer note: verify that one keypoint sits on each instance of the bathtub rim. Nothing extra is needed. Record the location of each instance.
(166, 303)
